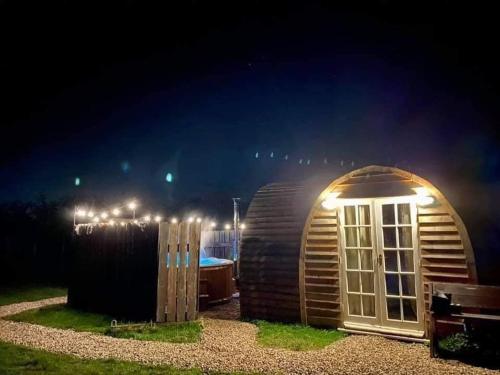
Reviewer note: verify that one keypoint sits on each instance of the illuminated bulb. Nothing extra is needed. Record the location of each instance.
(122, 223)
(191, 219)
(147, 218)
(198, 219)
(213, 224)
(329, 205)
(424, 197)
(330, 201)
(112, 222)
(227, 227)
(242, 226)
(136, 221)
(424, 201)
(95, 219)
(90, 214)
(422, 191)
(81, 213)
(104, 215)
(174, 220)
(116, 212)
(132, 205)
(157, 218)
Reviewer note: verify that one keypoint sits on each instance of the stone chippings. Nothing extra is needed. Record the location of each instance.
(228, 345)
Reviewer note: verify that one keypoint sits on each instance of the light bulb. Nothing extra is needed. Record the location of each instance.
(198, 219)
(132, 205)
(330, 201)
(424, 200)
(104, 215)
(174, 220)
(157, 218)
(116, 212)
(227, 227)
(90, 214)
(191, 219)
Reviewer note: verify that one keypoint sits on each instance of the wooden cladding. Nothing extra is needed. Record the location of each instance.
(444, 246)
(269, 261)
(290, 255)
(178, 272)
(321, 294)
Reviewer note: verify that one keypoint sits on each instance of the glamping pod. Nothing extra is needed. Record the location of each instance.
(357, 253)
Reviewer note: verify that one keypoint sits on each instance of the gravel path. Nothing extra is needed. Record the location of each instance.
(231, 346)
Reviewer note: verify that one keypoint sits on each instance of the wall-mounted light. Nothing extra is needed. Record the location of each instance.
(174, 220)
(157, 218)
(242, 226)
(424, 197)
(330, 201)
(227, 227)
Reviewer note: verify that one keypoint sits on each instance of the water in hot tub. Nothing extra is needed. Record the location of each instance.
(204, 260)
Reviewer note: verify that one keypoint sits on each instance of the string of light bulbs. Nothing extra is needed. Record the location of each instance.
(113, 216)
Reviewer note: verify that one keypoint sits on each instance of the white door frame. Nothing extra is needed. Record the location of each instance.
(381, 323)
(345, 310)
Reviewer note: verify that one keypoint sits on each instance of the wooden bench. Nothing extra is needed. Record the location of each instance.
(478, 302)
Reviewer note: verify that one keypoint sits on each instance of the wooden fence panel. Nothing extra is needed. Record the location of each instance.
(181, 272)
(218, 243)
(178, 272)
(172, 272)
(162, 272)
(193, 275)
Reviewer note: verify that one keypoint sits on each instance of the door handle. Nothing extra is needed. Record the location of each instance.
(379, 259)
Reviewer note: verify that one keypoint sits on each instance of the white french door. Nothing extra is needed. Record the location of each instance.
(380, 283)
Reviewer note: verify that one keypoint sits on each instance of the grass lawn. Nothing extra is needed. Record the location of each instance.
(19, 360)
(9, 295)
(295, 336)
(61, 316)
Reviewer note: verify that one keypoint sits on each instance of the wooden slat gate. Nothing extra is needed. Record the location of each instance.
(178, 271)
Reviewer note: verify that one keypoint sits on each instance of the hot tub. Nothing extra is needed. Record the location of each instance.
(216, 281)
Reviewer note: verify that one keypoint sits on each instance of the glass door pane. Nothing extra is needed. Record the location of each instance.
(399, 288)
(358, 247)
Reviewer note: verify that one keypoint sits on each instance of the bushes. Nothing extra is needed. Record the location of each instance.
(459, 344)
(475, 347)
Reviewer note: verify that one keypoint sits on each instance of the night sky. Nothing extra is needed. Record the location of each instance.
(121, 94)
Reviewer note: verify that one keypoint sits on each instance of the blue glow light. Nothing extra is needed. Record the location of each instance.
(169, 177)
(125, 166)
(77, 181)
